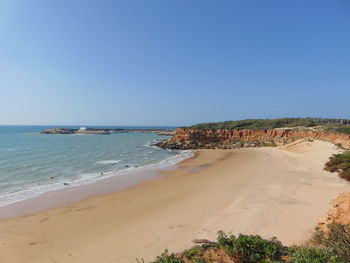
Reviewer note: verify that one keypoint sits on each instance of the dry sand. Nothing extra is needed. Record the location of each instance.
(279, 192)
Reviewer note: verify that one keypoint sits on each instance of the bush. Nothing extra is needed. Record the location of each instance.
(251, 249)
(269, 144)
(258, 124)
(345, 129)
(336, 240)
(330, 247)
(311, 255)
(194, 255)
(168, 258)
(340, 163)
(193, 252)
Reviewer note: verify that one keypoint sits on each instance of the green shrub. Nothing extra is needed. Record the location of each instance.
(340, 163)
(345, 129)
(336, 240)
(168, 258)
(330, 247)
(194, 255)
(269, 144)
(195, 251)
(311, 255)
(258, 124)
(251, 249)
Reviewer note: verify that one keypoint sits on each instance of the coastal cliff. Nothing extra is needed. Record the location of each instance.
(189, 138)
(339, 213)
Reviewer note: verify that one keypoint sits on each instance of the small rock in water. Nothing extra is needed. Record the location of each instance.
(51, 177)
(65, 183)
(127, 166)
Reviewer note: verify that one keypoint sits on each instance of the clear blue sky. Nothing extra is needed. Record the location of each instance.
(167, 62)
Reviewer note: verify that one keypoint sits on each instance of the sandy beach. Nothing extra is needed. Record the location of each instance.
(280, 192)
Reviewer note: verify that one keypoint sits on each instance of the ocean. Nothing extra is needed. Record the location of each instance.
(32, 163)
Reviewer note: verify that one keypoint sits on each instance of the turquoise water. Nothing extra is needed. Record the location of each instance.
(32, 163)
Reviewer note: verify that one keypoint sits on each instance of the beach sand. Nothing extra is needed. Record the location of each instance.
(280, 192)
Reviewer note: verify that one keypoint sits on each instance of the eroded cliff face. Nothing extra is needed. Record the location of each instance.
(186, 138)
(339, 213)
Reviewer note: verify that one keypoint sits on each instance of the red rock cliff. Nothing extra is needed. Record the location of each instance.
(339, 213)
(187, 135)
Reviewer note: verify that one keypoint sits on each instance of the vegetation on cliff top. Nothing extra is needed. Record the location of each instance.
(258, 124)
(339, 163)
(330, 247)
(340, 129)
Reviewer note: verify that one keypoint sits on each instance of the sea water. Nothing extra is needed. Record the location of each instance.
(32, 163)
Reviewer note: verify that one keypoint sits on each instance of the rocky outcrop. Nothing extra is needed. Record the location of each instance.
(339, 213)
(187, 138)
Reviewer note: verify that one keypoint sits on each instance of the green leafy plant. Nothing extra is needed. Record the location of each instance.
(336, 240)
(330, 247)
(165, 257)
(251, 249)
(339, 163)
(269, 144)
(194, 254)
(311, 255)
(258, 124)
(345, 129)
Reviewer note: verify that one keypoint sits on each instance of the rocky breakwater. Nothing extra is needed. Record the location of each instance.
(187, 138)
(59, 131)
(84, 130)
(75, 131)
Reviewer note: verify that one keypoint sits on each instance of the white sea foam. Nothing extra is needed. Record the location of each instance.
(151, 144)
(108, 162)
(37, 190)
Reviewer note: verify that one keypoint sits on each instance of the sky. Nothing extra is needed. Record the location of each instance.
(179, 62)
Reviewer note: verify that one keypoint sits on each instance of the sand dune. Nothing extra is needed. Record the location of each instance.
(279, 192)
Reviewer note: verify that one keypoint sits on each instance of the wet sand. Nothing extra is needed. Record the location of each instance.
(279, 192)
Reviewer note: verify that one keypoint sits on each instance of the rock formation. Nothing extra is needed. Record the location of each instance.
(339, 213)
(187, 138)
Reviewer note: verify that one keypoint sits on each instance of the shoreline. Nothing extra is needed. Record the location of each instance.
(265, 191)
(106, 184)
